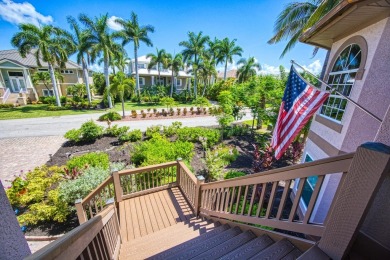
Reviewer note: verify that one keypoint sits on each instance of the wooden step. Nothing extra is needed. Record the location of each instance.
(162, 240)
(293, 255)
(227, 246)
(203, 246)
(250, 249)
(190, 243)
(276, 251)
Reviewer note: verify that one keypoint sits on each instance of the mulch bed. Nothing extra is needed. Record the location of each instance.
(51, 228)
(152, 116)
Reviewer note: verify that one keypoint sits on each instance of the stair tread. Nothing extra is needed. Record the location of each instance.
(158, 239)
(228, 246)
(250, 249)
(190, 243)
(207, 244)
(293, 255)
(276, 251)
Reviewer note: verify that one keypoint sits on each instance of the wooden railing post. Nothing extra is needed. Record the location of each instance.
(367, 171)
(80, 211)
(178, 169)
(198, 194)
(117, 186)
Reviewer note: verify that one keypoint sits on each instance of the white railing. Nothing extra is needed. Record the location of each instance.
(6, 95)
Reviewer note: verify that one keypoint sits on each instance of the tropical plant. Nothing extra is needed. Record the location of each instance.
(296, 17)
(175, 64)
(43, 77)
(101, 44)
(158, 60)
(99, 82)
(132, 136)
(80, 39)
(247, 68)
(226, 50)
(49, 44)
(78, 91)
(112, 116)
(194, 48)
(206, 71)
(133, 32)
(88, 132)
(120, 86)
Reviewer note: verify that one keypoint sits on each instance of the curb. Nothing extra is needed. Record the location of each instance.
(42, 238)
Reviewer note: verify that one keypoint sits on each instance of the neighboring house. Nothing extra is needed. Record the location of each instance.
(147, 77)
(357, 35)
(230, 74)
(16, 73)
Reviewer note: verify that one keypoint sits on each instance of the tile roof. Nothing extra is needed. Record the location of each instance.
(30, 61)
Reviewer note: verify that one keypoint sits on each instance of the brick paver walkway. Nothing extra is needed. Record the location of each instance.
(25, 153)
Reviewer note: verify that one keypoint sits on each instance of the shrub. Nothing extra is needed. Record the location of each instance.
(55, 108)
(192, 134)
(88, 132)
(112, 116)
(38, 193)
(168, 102)
(235, 130)
(95, 159)
(150, 131)
(159, 150)
(116, 131)
(201, 102)
(218, 158)
(132, 136)
(233, 174)
(172, 129)
(6, 105)
(49, 100)
(71, 190)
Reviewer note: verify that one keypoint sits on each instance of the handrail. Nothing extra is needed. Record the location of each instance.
(140, 181)
(98, 238)
(6, 95)
(187, 183)
(261, 198)
(95, 201)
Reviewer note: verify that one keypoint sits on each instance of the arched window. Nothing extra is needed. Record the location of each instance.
(342, 77)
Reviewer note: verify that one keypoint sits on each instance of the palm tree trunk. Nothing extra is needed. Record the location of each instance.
(86, 78)
(137, 87)
(54, 82)
(224, 75)
(172, 79)
(159, 77)
(123, 106)
(107, 78)
(195, 89)
(262, 108)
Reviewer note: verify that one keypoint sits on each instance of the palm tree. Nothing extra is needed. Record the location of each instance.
(80, 41)
(296, 17)
(43, 77)
(247, 68)
(121, 61)
(133, 32)
(158, 59)
(102, 44)
(226, 50)
(120, 86)
(193, 51)
(175, 64)
(207, 70)
(52, 44)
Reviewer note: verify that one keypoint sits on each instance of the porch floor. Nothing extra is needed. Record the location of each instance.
(150, 213)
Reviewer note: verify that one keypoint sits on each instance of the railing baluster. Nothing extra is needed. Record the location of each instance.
(261, 200)
(283, 199)
(244, 200)
(227, 200)
(271, 199)
(238, 200)
(222, 204)
(218, 199)
(252, 199)
(313, 199)
(296, 199)
(232, 200)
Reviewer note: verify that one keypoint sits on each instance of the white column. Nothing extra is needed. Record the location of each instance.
(152, 80)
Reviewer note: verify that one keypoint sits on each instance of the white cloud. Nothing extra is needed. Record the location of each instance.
(113, 25)
(314, 67)
(17, 13)
(269, 69)
(96, 67)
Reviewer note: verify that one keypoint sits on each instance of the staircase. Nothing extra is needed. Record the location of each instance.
(12, 98)
(204, 239)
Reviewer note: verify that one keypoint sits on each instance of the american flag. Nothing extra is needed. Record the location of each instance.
(299, 103)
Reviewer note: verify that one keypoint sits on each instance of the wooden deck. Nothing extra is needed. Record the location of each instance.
(150, 213)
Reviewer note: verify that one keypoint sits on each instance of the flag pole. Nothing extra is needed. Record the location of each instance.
(334, 89)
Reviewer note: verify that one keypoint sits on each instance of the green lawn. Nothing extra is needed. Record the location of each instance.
(33, 111)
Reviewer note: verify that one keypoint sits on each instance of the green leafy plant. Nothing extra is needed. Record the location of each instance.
(233, 174)
(159, 150)
(95, 159)
(201, 102)
(192, 134)
(150, 131)
(116, 131)
(168, 102)
(112, 116)
(171, 130)
(88, 132)
(132, 136)
(217, 158)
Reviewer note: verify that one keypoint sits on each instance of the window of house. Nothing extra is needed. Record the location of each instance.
(67, 72)
(342, 77)
(141, 66)
(160, 81)
(310, 184)
(141, 81)
(178, 82)
(43, 70)
(15, 73)
(48, 92)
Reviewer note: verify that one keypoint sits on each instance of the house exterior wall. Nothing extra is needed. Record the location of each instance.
(371, 91)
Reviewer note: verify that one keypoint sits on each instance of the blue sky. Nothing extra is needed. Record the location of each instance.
(250, 22)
